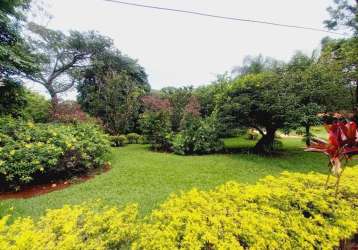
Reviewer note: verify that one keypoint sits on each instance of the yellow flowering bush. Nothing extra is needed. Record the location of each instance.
(32, 152)
(85, 226)
(293, 211)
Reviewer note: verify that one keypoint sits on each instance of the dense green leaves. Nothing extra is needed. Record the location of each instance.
(14, 56)
(33, 152)
(12, 98)
(58, 54)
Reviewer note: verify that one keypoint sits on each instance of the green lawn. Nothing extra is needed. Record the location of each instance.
(147, 178)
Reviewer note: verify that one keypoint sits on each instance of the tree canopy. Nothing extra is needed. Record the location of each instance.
(59, 54)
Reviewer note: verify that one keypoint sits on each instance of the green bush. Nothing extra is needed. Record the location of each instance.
(118, 140)
(293, 211)
(41, 152)
(156, 128)
(133, 138)
(252, 135)
(199, 136)
(12, 98)
(85, 226)
(37, 108)
(142, 140)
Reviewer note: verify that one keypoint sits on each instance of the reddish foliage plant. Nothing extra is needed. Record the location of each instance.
(153, 103)
(70, 112)
(342, 144)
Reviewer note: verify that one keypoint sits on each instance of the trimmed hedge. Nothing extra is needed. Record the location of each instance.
(31, 152)
(292, 211)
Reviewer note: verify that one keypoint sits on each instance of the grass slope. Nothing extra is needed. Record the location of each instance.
(147, 178)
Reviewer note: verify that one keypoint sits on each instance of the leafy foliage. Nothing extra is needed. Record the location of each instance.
(111, 89)
(293, 211)
(71, 112)
(43, 152)
(12, 98)
(344, 15)
(133, 138)
(118, 140)
(178, 99)
(37, 108)
(156, 128)
(58, 54)
(342, 145)
(339, 57)
(85, 226)
(198, 136)
(261, 101)
(14, 56)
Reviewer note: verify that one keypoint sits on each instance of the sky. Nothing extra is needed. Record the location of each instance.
(180, 49)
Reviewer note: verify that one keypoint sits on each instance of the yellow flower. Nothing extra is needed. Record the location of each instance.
(12, 152)
(28, 146)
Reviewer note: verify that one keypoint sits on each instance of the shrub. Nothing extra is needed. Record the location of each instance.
(84, 226)
(156, 128)
(118, 140)
(12, 98)
(199, 136)
(71, 112)
(37, 108)
(133, 138)
(293, 211)
(252, 135)
(142, 140)
(43, 152)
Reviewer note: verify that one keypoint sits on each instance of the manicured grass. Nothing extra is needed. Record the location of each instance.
(148, 178)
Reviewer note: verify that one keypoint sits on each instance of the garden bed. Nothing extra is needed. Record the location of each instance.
(44, 188)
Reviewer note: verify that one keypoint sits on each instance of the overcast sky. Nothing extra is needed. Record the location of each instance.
(179, 49)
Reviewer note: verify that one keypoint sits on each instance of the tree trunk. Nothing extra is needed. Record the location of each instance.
(308, 135)
(265, 144)
(54, 103)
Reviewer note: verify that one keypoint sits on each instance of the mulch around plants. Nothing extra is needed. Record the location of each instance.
(40, 189)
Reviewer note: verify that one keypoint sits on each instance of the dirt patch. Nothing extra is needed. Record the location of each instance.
(36, 190)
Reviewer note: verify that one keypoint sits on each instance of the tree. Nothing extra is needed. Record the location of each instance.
(344, 15)
(12, 98)
(14, 56)
(111, 88)
(256, 64)
(59, 54)
(318, 89)
(261, 101)
(178, 98)
(340, 56)
(208, 94)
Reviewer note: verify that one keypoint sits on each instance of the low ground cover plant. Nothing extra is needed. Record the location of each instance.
(292, 211)
(42, 152)
(118, 140)
(133, 138)
(85, 226)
